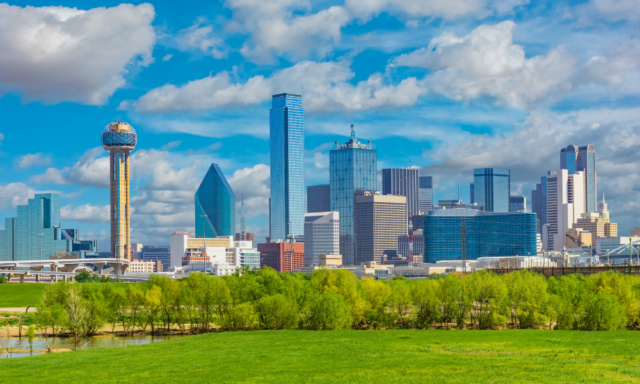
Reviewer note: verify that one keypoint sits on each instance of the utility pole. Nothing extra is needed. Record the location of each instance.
(290, 248)
(630, 252)
(464, 244)
(204, 244)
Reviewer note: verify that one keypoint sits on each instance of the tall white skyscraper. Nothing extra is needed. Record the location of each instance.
(565, 204)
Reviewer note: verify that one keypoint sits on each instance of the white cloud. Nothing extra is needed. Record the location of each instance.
(606, 10)
(91, 170)
(277, 27)
(1, 138)
(32, 160)
(167, 57)
(486, 63)
(14, 194)
(325, 87)
(60, 54)
(254, 183)
(86, 213)
(200, 38)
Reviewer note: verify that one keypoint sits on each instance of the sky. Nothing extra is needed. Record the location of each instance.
(443, 85)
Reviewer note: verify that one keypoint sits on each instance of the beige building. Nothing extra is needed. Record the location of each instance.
(578, 238)
(378, 221)
(331, 260)
(139, 266)
(597, 224)
(635, 232)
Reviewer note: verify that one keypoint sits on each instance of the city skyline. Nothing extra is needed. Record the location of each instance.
(397, 93)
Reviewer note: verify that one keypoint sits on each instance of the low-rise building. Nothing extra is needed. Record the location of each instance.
(330, 260)
(141, 266)
(278, 256)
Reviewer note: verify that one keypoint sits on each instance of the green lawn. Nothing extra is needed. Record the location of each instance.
(20, 295)
(350, 356)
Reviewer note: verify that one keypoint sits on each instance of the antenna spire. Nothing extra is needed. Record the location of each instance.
(353, 133)
(459, 201)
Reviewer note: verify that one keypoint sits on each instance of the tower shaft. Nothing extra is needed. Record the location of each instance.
(120, 203)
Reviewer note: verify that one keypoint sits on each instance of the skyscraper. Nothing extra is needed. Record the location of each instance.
(471, 194)
(402, 182)
(492, 189)
(425, 194)
(583, 158)
(517, 204)
(352, 166)
(119, 138)
(539, 202)
(565, 204)
(287, 208)
(321, 236)
(318, 198)
(215, 206)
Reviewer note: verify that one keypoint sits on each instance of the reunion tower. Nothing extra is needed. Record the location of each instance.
(119, 138)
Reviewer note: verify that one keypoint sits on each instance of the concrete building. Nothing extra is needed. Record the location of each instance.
(319, 198)
(119, 138)
(135, 250)
(578, 238)
(321, 235)
(517, 204)
(583, 159)
(155, 254)
(635, 232)
(352, 167)
(286, 127)
(141, 266)
(182, 241)
(597, 224)
(425, 194)
(418, 244)
(565, 205)
(403, 182)
(492, 189)
(379, 220)
(222, 250)
(330, 260)
(279, 257)
(215, 206)
(247, 237)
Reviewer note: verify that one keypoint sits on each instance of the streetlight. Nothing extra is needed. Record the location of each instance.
(204, 244)
(40, 234)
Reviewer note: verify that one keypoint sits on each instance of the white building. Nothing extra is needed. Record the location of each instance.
(222, 251)
(321, 235)
(565, 205)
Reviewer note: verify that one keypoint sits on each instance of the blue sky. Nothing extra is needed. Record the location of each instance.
(448, 85)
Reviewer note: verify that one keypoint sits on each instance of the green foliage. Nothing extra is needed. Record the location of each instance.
(527, 297)
(3, 279)
(428, 306)
(241, 317)
(399, 278)
(277, 312)
(87, 277)
(329, 311)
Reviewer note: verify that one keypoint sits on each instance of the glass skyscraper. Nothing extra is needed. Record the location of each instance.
(517, 204)
(575, 159)
(425, 194)
(318, 198)
(36, 234)
(352, 166)
(492, 189)
(539, 202)
(216, 200)
(286, 119)
(481, 234)
(403, 182)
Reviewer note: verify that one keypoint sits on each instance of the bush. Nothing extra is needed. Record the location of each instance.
(277, 312)
(242, 317)
(329, 311)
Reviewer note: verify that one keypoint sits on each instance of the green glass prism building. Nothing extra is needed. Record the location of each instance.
(215, 206)
(288, 203)
(352, 167)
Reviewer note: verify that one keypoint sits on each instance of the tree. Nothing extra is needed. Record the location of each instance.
(455, 300)
(329, 311)
(528, 298)
(241, 317)
(3, 279)
(604, 312)
(152, 306)
(376, 296)
(31, 336)
(488, 296)
(427, 302)
(277, 312)
(400, 302)
(50, 315)
(75, 308)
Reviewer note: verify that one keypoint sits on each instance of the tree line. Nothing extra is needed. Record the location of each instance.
(335, 299)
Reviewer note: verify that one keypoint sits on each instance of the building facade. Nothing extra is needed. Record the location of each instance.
(141, 266)
(425, 194)
(472, 198)
(418, 244)
(565, 205)
(378, 221)
(247, 237)
(517, 204)
(156, 253)
(35, 234)
(583, 159)
(215, 204)
(287, 206)
(403, 182)
(539, 202)
(319, 198)
(279, 256)
(352, 167)
(119, 138)
(321, 236)
(492, 189)
(597, 224)
(449, 232)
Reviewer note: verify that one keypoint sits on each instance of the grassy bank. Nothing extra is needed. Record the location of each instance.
(20, 295)
(350, 356)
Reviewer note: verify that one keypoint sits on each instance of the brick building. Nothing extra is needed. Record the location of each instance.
(277, 256)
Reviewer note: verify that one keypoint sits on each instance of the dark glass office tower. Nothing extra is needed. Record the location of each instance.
(352, 166)
(492, 189)
(216, 200)
(402, 182)
(425, 194)
(318, 198)
(539, 202)
(286, 122)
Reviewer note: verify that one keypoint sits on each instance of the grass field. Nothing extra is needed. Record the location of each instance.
(20, 295)
(350, 356)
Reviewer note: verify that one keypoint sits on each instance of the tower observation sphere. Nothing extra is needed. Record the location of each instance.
(119, 138)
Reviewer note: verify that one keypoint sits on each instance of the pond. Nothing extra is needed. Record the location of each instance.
(40, 345)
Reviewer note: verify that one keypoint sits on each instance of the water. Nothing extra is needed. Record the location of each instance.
(67, 343)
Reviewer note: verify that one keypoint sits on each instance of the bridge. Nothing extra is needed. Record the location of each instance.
(64, 268)
(569, 270)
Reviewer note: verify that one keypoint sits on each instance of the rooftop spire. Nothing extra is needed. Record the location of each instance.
(459, 200)
(353, 133)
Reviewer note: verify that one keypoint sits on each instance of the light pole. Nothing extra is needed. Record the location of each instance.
(204, 245)
(630, 252)
(40, 234)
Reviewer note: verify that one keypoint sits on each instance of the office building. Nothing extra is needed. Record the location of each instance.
(492, 189)
(378, 221)
(597, 224)
(565, 205)
(472, 199)
(321, 236)
(539, 202)
(155, 254)
(352, 167)
(182, 242)
(141, 266)
(119, 138)
(279, 256)
(247, 237)
(450, 232)
(134, 251)
(287, 207)
(418, 244)
(425, 194)
(583, 159)
(517, 204)
(215, 203)
(35, 234)
(319, 198)
(330, 260)
(403, 182)
(635, 232)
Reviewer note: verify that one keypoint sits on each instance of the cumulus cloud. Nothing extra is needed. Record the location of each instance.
(86, 213)
(92, 170)
(486, 63)
(1, 138)
(276, 27)
(325, 86)
(605, 10)
(254, 183)
(32, 160)
(14, 194)
(199, 37)
(60, 54)
(446, 9)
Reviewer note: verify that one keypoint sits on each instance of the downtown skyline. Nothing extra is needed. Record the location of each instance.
(418, 114)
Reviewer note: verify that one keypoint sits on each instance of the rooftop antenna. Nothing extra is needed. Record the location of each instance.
(459, 201)
(353, 133)
(243, 228)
